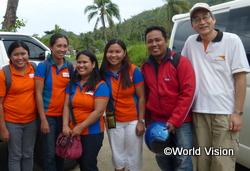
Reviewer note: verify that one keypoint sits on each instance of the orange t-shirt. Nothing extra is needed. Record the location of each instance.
(54, 86)
(83, 103)
(19, 104)
(124, 101)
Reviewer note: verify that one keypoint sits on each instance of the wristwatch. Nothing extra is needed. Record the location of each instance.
(142, 120)
(239, 112)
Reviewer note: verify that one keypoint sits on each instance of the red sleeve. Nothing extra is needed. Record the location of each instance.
(186, 77)
(147, 112)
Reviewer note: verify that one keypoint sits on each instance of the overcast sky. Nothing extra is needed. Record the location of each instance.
(42, 15)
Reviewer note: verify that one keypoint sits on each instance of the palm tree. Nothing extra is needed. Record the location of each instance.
(105, 10)
(137, 29)
(174, 7)
(57, 29)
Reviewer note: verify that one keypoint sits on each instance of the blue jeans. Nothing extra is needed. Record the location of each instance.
(91, 145)
(52, 162)
(21, 145)
(184, 138)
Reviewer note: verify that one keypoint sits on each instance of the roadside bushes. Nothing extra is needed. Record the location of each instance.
(138, 54)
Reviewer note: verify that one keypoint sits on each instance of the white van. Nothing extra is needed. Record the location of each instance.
(38, 51)
(233, 16)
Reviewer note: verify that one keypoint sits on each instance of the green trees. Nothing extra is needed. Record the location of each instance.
(131, 30)
(57, 29)
(105, 10)
(174, 7)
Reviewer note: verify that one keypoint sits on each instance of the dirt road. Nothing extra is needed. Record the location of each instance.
(104, 158)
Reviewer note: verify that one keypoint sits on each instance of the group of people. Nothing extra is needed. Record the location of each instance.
(200, 98)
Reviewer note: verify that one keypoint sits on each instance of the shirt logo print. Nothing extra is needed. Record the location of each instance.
(223, 57)
(89, 92)
(220, 58)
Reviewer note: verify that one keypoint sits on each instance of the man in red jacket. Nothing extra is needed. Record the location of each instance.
(170, 86)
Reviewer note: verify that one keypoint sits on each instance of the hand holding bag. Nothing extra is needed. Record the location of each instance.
(69, 147)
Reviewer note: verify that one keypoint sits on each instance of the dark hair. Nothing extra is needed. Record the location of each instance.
(17, 44)
(56, 36)
(125, 78)
(94, 76)
(160, 28)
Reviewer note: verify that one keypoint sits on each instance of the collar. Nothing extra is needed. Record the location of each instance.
(216, 39)
(151, 58)
(14, 72)
(110, 73)
(51, 62)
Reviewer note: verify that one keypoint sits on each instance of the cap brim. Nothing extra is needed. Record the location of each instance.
(197, 8)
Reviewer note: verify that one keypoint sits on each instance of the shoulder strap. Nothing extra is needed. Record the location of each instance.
(8, 78)
(175, 59)
(33, 64)
(70, 105)
(47, 68)
(70, 67)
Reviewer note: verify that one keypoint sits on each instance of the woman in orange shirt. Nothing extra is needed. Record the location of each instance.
(18, 109)
(88, 96)
(127, 102)
(50, 84)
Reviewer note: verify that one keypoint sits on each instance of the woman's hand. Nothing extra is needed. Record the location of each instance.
(5, 135)
(77, 130)
(45, 127)
(140, 128)
(66, 130)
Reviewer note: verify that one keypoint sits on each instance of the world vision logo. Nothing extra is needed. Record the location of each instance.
(220, 58)
(223, 57)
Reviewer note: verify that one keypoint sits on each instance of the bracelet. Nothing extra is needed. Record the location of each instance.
(142, 120)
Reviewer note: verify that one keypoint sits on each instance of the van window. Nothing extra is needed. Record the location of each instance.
(184, 30)
(221, 21)
(240, 25)
(36, 53)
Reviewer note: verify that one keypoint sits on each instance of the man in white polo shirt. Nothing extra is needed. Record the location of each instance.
(220, 65)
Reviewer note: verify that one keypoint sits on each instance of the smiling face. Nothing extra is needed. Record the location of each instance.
(19, 58)
(84, 66)
(203, 22)
(156, 44)
(60, 48)
(115, 55)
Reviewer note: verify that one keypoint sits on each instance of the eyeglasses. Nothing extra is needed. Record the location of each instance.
(198, 19)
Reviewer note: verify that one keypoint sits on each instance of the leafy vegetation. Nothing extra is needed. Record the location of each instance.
(172, 8)
(106, 10)
(138, 54)
(131, 31)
